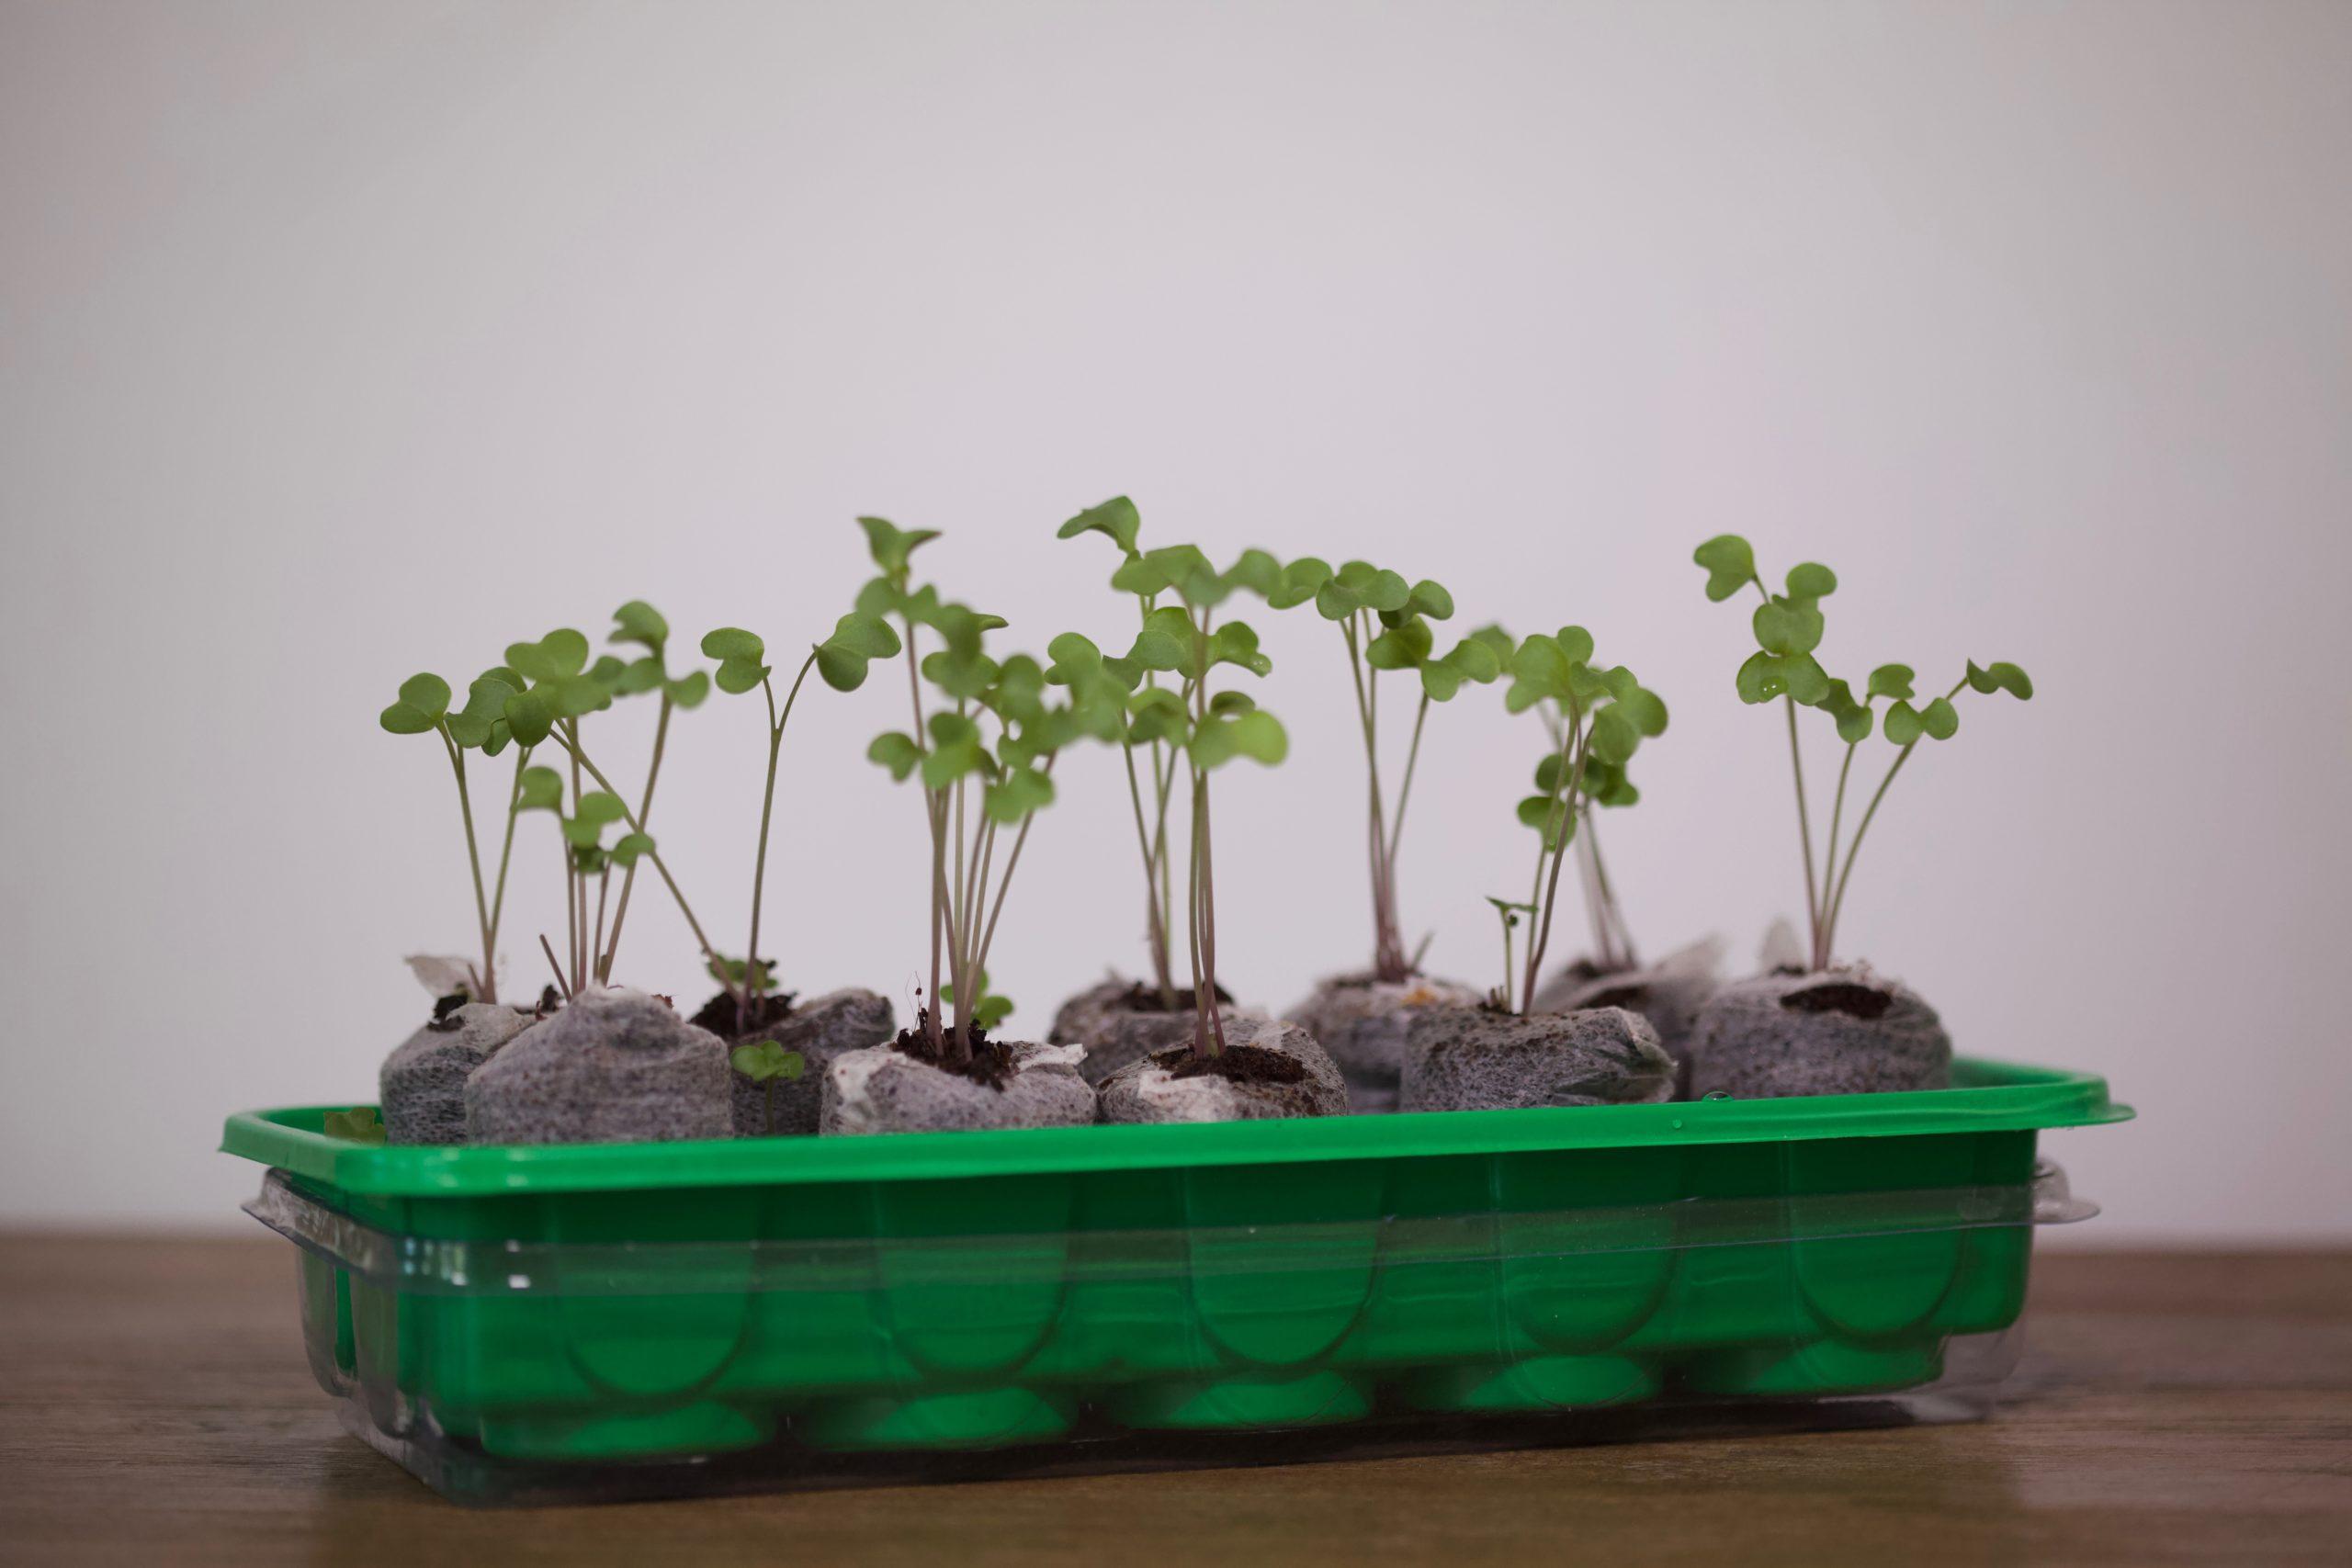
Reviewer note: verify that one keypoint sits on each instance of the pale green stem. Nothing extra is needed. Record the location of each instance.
(571, 743)
(644, 814)
(752, 984)
(486, 982)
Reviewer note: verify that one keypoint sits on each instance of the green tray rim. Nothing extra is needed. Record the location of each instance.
(1986, 1096)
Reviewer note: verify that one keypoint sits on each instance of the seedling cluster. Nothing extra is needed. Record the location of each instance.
(985, 729)
(1787, 627)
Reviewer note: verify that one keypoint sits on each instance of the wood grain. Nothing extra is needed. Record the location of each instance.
(2173, 1408)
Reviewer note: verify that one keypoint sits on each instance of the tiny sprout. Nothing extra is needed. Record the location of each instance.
(359, 1125)
(1184, 721)
(1788, 627)
(766, 1061)
(990, 1011)
(1385, 622)
(841, 661)
(1499, 997)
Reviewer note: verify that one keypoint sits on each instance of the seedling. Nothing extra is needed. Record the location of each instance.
(481, 726)
(1180, 638)
(766, 1061)
(983, 753)
(551, 685)
(1788, 628)
(1597, 718)
(841, 661)
(1385, 625)
(1145, 734)
(639, 623)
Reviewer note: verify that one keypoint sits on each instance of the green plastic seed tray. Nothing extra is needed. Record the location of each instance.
(575, 1322)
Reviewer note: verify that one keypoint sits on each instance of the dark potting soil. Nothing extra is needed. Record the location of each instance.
(1856, 1001)
(549, 999)
(991, 1063)
(445, 1013)
(723, 1018)
(1241, 1064)
(1141, 997)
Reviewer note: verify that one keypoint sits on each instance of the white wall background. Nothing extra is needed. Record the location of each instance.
(337, 342)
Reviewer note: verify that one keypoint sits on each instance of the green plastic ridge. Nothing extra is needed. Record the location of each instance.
(1986, 1096)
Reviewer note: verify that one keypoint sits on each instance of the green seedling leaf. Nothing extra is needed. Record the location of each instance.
(1300, 581)
(1429, 598)
(399, 719)
(1019, 793)
(1996, 677)
(1787, 627)
(1236, 642)
(1903, 724)
(1730, 565)
(567, 649)
(1402, 647)
(541, 789)
(1359, 585)
(890, 545)
(639, 676)
(1477, 658)
(428, 694)
(529, 717)
(1811, 580)
(1768, 676)
(735, 972)
(734, 642)
(1540, 665)
(1576, 644)
(1225, 703)
(1116, 519)
(1258, 573)
(478, 723)
(736, 676)
(1891, 681)
(953, 730)
(1613, 736)
(626, 850)
(1613, 790)
(1940, 719)
(1645, 708)
(760, 1060)
(598, 806)
(1157, 714)
(858, 640)
(1256, 735)
(639, 622)
(1854, 720)
(570, 696)
(607, 671)
(689, 691)
(944, 764)
(1548, 816)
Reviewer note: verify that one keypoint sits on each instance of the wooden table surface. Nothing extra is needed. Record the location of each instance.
(2186, 1407)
